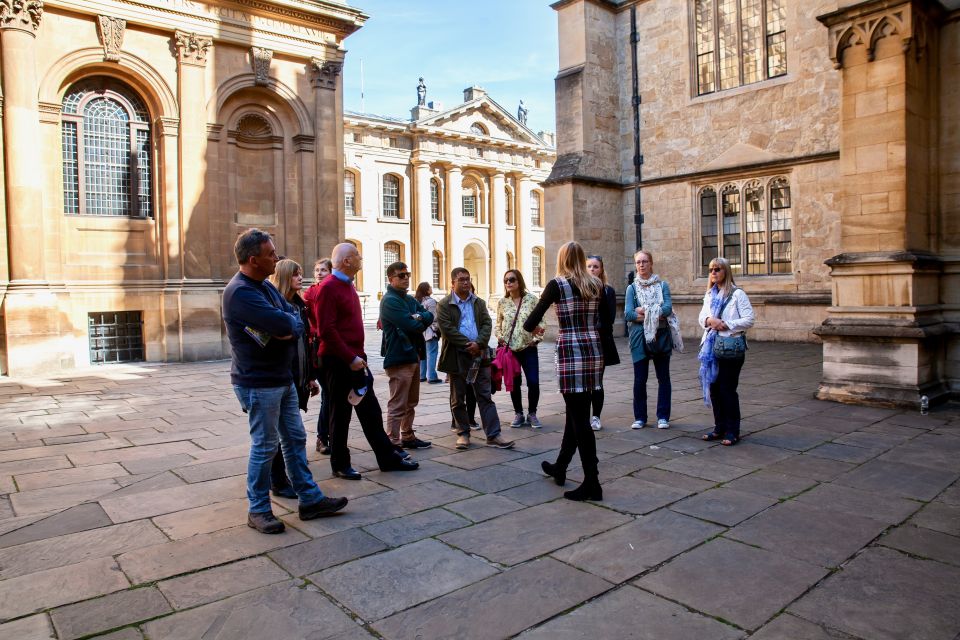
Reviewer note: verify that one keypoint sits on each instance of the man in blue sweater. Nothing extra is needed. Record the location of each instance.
(404, 321)
(262, 326)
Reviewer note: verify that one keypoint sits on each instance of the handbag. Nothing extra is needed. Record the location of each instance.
(730, 347)
(662, 343)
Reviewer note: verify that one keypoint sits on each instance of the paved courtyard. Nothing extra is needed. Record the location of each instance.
(122, 516)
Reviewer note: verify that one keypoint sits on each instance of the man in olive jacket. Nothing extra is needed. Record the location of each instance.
(465, 328)
(403, 320)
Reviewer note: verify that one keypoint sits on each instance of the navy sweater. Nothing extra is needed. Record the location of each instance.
(256, 313)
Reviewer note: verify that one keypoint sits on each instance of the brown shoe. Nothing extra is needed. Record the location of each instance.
(499, 443)
(463, 442)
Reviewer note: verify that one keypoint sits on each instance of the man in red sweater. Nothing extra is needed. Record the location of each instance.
(339, 321)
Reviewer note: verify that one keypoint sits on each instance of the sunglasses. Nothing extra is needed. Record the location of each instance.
(509, 280)
(402, 276)
(716, 269)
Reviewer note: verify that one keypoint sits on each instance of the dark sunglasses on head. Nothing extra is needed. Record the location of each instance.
(509, 280)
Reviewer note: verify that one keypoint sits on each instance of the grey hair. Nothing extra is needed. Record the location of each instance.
(249, 243)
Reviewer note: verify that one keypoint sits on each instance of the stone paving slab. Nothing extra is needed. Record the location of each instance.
(36, 627)
(83, 517)
(863, 600)
(844, 500)
(898, 479)
(109, 612)
(939, 517)
(788, 627)
(497, 607)
(61, 585)
(723, 506)
(416, 526)
(221, 582)
(924, 543)
(733, 581)
(631, 613)
(381, 585)
(328, 551)
(484, 507)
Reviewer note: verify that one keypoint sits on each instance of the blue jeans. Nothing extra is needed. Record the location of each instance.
(274, 416)
(641, 370)
(428, 367)
(530, 365)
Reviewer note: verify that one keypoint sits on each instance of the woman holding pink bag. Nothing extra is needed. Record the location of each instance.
(514, 308)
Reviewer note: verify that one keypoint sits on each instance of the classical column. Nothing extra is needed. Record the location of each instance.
(498, 232)
(19, 21)
(192, 51)
(455, 245)
(422, 253)
(328, 129)
(524, 244)
(883, 339)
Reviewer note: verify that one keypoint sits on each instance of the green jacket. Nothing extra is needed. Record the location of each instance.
(453, 355)
(402, 333)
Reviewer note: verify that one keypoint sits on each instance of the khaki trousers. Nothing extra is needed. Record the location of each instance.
(404, 382)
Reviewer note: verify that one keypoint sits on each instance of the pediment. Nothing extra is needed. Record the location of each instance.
(739, 155)
(494, 119)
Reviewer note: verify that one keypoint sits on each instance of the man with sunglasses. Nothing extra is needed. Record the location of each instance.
(403, 320)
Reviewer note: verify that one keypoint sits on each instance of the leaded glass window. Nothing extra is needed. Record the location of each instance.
(535, 213)
(536, 265)
(753, 215)
(470, 206)
(349, 194)
(738, 42)
(435, 199)
(391, 196)
(391, 254)
(107, 153)
(437, 269)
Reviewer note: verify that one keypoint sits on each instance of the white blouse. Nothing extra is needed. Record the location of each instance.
(738, 314)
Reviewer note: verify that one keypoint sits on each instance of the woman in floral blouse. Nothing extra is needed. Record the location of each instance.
(514, 308)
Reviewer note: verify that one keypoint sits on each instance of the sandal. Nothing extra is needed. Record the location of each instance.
(710, 437)
(730, 441)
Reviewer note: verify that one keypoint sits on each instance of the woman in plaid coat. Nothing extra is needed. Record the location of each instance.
(579, 357)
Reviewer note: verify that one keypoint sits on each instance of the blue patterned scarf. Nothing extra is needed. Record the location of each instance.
(709, 367)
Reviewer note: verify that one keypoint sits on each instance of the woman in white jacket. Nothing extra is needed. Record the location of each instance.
(725, 317)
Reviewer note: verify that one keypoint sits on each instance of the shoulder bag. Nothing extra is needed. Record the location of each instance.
(729, 347)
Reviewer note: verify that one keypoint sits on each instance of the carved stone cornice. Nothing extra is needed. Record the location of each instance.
(49, 112)
(260, 61)
(192, 48)
(304, 142)
(323, 73)
(110, 30)
(867, 23)
(23, 15)
(214, 132)
(167, 127)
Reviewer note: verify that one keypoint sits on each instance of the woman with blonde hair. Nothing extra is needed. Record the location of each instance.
(578, 298)
(288, 279)
(725, 317)
(610, 355)
(514, 308)
(647, 307)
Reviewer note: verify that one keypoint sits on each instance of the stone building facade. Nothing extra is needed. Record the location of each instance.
(447, 188)
(814, 144)
(139, 138)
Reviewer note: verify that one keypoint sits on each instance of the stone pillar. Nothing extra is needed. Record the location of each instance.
(498, 241)
(422, 249)
(328, 125)
(455, 245)
(19, 22)
(883, 337)
(525, 225)
(192, 51)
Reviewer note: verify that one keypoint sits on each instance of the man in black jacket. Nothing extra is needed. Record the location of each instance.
(262, 326)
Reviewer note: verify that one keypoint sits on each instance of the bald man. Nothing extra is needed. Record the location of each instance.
(339, 321)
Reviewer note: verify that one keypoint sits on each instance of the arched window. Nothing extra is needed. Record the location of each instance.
(478, 129)
(437, 278)
(756, 223)
(391, 196)
(392, 252)
(107, 151)
(349, 193)
(730, 208)
(738, 42)
(436, 210)
(781, 227)
(708, 227)
(536, 265)
(508, 199)
(535, 213)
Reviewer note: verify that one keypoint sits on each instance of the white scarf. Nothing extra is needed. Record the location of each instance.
(650, 299)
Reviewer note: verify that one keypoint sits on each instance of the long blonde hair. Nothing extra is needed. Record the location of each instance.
(282, 278)
(572, 264)
(728, 285)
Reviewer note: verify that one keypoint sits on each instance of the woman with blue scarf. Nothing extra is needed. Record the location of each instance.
(725, 317)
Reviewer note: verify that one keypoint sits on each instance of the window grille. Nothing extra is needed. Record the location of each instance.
(349, 194)
(435, 200)
(437, 269)
(738, 42)
(391, 196)
(470, 206)
(535, 218)
(106, 151)
(537, 268)
(115, 336)
(391, 254)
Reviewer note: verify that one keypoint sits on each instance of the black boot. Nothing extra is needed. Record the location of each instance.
(559, 475)
(589, 490)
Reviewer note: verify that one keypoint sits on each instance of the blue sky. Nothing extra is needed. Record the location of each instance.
(508, 47)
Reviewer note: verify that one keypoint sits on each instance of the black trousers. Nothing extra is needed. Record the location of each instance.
(577, 434)
(725, 400)
(339, 380)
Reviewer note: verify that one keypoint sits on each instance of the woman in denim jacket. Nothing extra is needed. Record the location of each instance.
(646, 308)
(726, 313)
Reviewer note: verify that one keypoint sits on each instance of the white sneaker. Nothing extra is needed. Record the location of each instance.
(637, 425)
(595, 423)
(662, 424)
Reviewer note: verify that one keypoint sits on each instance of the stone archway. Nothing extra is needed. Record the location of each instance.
(475, 261)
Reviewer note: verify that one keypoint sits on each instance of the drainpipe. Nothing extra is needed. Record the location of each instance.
(637, 157)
